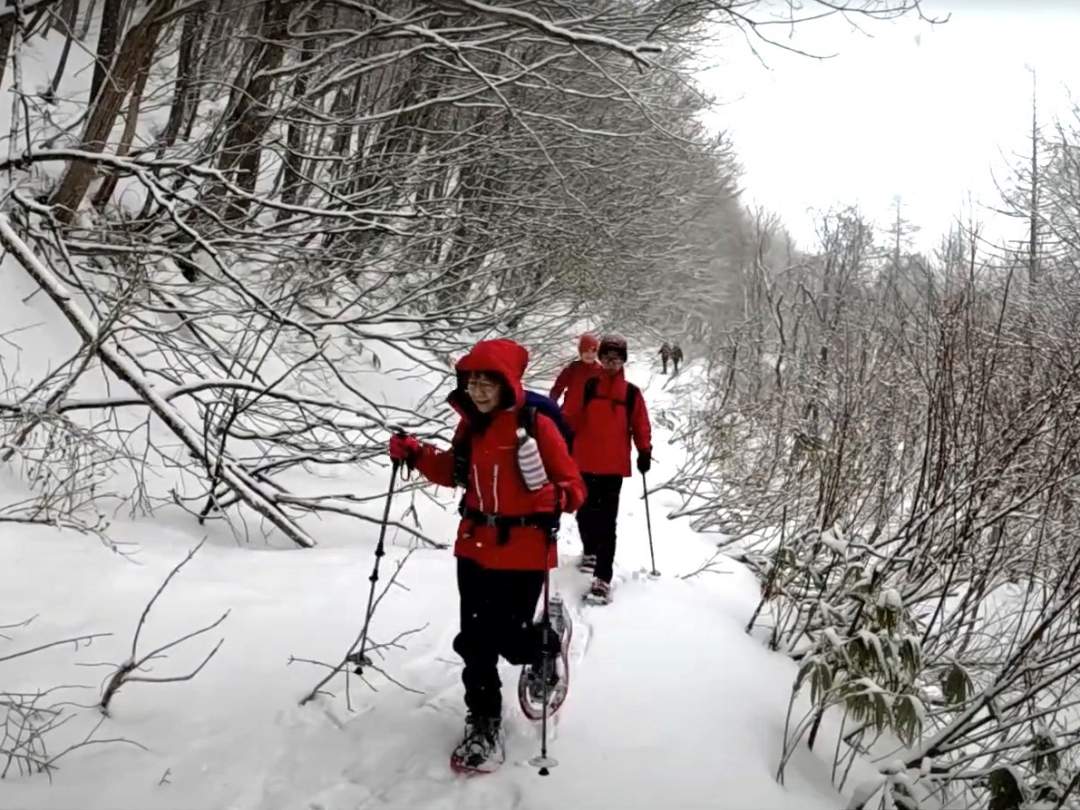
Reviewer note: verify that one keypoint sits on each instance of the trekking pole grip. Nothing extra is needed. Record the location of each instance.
(397, 464)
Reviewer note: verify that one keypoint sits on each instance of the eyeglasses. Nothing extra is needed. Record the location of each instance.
(484, 386)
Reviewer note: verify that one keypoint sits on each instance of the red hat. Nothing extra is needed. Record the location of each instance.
(588, 343)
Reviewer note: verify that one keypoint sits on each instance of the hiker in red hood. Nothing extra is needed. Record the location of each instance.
(572, 379)
(506, 537)
(609, 414)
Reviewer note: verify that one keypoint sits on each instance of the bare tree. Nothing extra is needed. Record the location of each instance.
(340, 180)
(912, 504)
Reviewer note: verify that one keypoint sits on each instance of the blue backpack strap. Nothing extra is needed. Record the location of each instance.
(541, 403)
(527, 419)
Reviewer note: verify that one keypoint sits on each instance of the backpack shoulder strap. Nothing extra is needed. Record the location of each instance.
(632, 394)
(590, 389)
(527, 419)
(461, 447)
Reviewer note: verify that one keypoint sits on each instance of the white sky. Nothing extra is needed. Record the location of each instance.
(929, 113)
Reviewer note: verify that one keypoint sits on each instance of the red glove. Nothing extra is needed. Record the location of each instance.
(566, 500)
(404, 448)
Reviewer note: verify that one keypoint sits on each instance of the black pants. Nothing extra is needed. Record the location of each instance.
(664, 361)
(597, 518)
(497, 609)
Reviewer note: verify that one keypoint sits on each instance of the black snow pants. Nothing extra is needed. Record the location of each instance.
(597, 519)
(497, 609)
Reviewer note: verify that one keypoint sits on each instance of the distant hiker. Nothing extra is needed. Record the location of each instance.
(610, 414)
(571, 379)
(505, 540)
(676, 356)
(665, 355)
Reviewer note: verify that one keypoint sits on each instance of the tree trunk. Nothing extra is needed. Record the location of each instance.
(111, 19)
(297, 133)
(88, 18)
(183, 94)
(249, 120)
(7, 34)
(133, 53)
(101, 199)
(70, 17)
(224, 19)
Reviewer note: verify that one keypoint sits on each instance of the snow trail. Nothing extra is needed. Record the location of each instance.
(671, 703)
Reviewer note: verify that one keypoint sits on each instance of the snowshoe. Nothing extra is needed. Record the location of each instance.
(555, 670)
(599, 593)
(587, 563)
(482, 750)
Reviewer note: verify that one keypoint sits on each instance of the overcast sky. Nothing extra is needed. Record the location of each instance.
(929, 113)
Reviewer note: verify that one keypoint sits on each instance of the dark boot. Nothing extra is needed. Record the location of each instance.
(482, 747)
(599, 592)
(535, 671)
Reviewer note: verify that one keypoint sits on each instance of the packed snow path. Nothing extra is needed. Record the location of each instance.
(671, 704)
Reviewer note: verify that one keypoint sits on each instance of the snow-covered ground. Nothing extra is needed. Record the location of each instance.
(671, 703)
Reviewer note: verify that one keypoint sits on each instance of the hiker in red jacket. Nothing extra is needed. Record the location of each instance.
(610, 413)
(572, 378)
(505, 540)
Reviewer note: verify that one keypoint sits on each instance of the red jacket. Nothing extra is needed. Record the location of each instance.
(603, 428)
(572, 380)
(494, 484)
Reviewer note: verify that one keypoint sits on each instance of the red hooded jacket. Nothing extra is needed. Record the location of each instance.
(495, 485)
(603, 429)
(572, 380)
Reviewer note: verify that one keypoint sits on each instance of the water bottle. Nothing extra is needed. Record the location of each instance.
(530, 464)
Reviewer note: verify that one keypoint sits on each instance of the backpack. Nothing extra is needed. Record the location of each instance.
(535, 403)
(632, 393)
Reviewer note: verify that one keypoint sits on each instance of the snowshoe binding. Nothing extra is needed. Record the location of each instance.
(599, 593)
(587, 563)
(550, 677)
(482, 750)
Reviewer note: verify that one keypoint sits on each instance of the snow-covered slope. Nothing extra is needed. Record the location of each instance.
(671, 703)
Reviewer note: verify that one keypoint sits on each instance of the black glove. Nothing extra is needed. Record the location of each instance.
(644, 461)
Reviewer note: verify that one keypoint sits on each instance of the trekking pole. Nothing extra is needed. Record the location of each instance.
(648, 525)
(359, 658)
(544, 762)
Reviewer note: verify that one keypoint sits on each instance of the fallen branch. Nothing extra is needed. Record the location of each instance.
(73, 640)
(123, 674)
